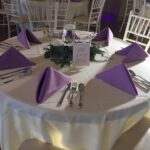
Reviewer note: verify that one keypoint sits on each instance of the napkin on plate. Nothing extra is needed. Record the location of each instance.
(118, 77)
(14, 59)
(105, 35)
(133, 52)
(26, 36)
(50, 80)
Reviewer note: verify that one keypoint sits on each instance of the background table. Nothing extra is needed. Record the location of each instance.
(106, 114)
(75, 8)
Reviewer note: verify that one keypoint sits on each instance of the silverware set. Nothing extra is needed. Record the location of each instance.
(139, 80)
(73, 87)
(6, 45)
(14, 75)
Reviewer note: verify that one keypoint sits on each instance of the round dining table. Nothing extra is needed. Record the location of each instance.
(107, 112)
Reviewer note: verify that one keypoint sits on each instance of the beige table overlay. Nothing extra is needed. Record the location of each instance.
(107, 111)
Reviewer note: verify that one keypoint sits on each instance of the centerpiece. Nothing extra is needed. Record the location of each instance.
(60, 51)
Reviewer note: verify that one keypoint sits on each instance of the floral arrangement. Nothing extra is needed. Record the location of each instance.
(62, 53)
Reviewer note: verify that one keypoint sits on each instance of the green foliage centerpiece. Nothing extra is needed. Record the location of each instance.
(63, 54)
(60, 51)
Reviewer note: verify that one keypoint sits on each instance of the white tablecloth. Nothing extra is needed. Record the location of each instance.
(106, 114)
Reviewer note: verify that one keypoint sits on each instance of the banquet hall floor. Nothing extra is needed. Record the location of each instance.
(137, 138)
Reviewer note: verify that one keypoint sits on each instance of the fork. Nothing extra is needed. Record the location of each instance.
(73, 90)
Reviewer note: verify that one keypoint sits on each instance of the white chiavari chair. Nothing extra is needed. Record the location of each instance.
(42, 15)
(62, 13)
(129, 6)
(139, 7)
(14, 14)
(94, 15)
(3, 15)
(138, 30)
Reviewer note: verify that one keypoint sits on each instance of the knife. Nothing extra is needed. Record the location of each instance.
(63, 95)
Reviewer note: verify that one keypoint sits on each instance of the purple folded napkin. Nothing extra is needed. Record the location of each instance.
(26, 36)
(77, 36)
(118, 77)
(50, 81)
(105, 35)
(133, 52)
(14, 59)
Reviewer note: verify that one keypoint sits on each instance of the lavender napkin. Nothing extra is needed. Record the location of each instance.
(26, 36)
(50, 81)
(133, 52)
(14, 59)
(118, 77)
(105, 35)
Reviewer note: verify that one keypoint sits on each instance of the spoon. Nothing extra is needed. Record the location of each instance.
(81, 88)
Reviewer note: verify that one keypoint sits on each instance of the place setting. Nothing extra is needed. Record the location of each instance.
(14, 65)
(73, 88)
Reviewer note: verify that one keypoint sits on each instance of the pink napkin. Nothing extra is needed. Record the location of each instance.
(118, 77)
(14, 59)
(133, 52)
(50, 80)
(105, 35)
(26, 36)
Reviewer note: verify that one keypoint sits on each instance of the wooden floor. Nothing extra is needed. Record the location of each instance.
(137, 138)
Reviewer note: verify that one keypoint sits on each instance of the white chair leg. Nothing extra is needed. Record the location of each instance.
(9, 32)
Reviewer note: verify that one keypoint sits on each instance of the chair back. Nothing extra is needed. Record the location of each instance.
(95, 13)
(43, 15)
(62, 13)
(139, 7)
(129, 7)
(13, 11)
(138, 30)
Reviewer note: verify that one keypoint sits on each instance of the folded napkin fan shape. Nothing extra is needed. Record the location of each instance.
(105, 35)
(26, 36)
(118, 77)
(50, 80)
(14, 59)
(133, 52)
